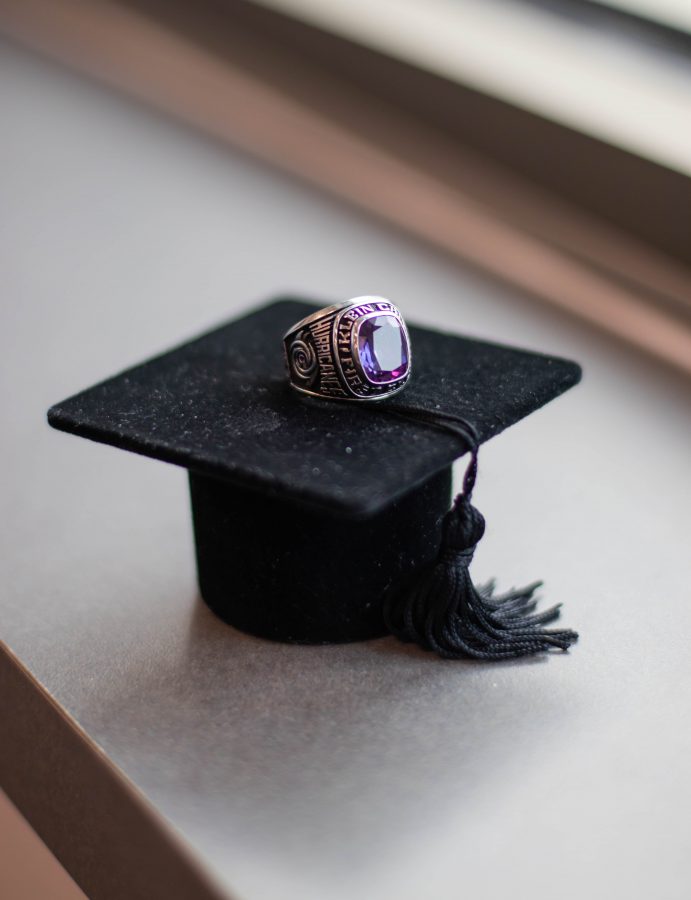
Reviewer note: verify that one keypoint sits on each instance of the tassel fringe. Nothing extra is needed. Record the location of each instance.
(443, 611)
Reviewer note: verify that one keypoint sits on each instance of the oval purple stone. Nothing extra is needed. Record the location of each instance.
(383, 349)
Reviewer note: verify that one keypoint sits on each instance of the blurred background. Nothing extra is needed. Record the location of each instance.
(545, 142)
(514, 169)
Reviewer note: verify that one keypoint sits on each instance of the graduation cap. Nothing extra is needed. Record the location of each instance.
(320, 521)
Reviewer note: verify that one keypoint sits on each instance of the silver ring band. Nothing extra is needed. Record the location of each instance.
(358, 350)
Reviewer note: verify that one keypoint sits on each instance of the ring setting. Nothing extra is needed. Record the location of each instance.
(358, 350)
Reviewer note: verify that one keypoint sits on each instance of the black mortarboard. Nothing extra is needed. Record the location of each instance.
(306, 511)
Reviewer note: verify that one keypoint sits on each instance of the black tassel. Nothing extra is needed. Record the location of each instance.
(441, 609)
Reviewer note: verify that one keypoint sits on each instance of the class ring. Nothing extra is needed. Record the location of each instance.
(358, 350)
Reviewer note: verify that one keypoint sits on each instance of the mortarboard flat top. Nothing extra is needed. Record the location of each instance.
(220, 405)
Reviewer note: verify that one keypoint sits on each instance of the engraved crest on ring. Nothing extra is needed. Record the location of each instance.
(303, 357)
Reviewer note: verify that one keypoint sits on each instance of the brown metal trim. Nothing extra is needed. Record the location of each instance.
(102, 830)
(472, 142)
(639, 196)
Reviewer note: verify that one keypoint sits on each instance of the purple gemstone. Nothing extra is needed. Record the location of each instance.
(383, 349)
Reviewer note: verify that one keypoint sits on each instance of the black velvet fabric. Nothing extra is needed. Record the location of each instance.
(298, 574)
(305, 510)
(220, 405)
